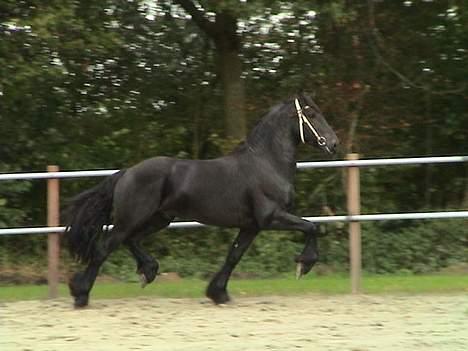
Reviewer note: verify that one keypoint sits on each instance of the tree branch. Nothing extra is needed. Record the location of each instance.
(198, 17)
(376, 40)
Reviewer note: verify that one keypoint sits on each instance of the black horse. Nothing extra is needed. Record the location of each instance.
(251, 189)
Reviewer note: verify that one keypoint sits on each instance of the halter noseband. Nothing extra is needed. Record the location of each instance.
(321, 141)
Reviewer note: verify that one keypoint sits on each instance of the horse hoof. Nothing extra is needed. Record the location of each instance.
(299, 270)
(148, 272)
(143, 280)
(304, 265)
(219, 298)
(81, 301)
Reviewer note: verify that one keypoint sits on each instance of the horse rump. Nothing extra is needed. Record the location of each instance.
(86, 215)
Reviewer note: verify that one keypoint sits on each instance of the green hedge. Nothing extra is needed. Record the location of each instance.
(392, 247)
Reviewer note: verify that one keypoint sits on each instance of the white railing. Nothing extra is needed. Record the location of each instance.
(353, 216)
(300, 165)
(316, 219)
(382, 162)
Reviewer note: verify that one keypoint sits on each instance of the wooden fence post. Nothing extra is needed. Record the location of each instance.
(53, 239)
(354, 208)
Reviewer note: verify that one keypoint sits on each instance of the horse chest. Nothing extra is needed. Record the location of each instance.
(278, 190)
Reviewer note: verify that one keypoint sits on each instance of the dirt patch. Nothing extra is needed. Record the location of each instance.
(354, 323)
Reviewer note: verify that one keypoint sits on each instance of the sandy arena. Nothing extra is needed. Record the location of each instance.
(313, 322)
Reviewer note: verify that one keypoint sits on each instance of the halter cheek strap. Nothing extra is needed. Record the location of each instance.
(321, 141)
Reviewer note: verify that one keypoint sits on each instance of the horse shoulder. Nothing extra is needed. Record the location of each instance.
(276, 187)
(267, 192)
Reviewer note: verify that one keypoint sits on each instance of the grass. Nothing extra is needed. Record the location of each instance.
(194, 288)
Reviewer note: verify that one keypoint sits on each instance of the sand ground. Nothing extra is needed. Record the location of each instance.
(312, 322)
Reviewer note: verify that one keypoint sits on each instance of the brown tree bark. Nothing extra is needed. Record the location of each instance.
(223, 32)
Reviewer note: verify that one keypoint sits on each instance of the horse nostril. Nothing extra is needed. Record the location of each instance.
(333, 146)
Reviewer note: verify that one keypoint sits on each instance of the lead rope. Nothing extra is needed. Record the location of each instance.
(321, 141)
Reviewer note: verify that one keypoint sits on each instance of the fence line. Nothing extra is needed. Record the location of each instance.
(315, 219)
(382, 162)
(55, 175)
(300, 165)
(353, 217)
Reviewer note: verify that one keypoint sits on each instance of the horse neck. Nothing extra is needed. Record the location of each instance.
(273, 141)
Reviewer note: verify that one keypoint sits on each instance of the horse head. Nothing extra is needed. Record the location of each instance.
(310, 125)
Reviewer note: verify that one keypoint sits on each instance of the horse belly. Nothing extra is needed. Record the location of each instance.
(208, 192)
(213, 208)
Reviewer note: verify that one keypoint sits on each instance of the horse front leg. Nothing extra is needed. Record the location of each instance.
(309, 256)
(217, 289)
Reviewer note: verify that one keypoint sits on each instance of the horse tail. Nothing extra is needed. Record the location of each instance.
(86, 215)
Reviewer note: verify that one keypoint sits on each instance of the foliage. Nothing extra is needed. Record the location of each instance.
(393, 247)
(418, 248)
(106, 84)
(399, 247)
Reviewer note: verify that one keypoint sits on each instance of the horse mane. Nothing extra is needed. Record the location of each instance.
(265, 126)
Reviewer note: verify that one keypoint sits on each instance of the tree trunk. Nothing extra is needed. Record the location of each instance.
(228, 45)
(230, 70)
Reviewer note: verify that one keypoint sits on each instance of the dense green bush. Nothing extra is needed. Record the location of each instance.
(396, 247)
(89, 85)
(392, 247)
(272, 253)
(417, 247)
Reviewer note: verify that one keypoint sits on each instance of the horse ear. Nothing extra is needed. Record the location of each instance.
(300, 94)
(304, 97)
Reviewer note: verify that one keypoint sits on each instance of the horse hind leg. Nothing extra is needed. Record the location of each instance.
(147, 266)
(82, 282)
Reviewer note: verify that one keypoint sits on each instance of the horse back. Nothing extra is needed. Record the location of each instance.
(225, 192)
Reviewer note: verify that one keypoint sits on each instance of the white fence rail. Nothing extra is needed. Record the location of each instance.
(382, 162)
(317, 219)
(300, 165)
(353, 217)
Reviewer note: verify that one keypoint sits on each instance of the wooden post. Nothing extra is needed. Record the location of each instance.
(53, 239)
(354, 208)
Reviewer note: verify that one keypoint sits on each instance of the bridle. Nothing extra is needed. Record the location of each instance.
(321, 141)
